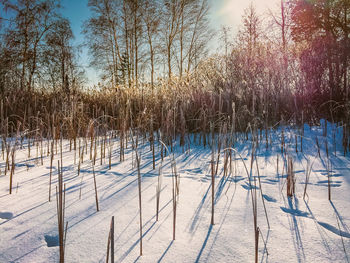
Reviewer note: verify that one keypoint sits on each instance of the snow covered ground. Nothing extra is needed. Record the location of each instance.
(314, 230)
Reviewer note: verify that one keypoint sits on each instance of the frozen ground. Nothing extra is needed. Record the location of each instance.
(314, 230)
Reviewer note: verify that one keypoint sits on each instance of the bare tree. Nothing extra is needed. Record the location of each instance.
(198, 33)
(29, 23)
(151, 24)
(59, 57)
(103, 38)
(170, 28)
(249, 38)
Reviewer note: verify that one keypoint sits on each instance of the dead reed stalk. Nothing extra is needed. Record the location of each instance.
(51, 161)
(139, 186)
(212, 173)
(175, 187)
(290, 178)
(12, 166)
(110, 242)
(96, 197)
(158, 189)
(60, 200)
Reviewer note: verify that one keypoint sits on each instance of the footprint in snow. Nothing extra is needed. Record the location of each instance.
(52, 241)
(6, 215)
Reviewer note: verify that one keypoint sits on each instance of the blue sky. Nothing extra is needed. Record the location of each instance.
(77, 12)
(223, 12)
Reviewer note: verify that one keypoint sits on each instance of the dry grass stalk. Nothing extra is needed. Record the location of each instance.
(152, 144)
(329, 172)
(290, 178)
(158, 189)
(51, 161)
(12, 166)
(60, 200)
(219, 150)
(95, 186)
(101, 151)
(282, 142)
(261, 193)
(175, 187)
(253, 195)
(110, 242)
(139, 186)
(307, 175)
(212, 173)
(254, 205)
(110, 151)
(7, 162)
(318, 147)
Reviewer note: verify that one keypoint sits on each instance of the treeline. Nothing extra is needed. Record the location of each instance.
(137, 41)
(290, 66)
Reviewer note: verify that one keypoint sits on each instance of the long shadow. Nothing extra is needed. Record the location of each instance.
(20, 234)
(339, 164)
(86, 195)
(95, 213)
(131, 221)
(194, 156)
(324, 241)
(137, 259)
(204, 243)
(220, 188)
(1, 196)
(110, 185)
(166, 251)
(24, 212)
(159, 225)
(135, 243)
(339, 216)
(265, 247)
(133, 170)
(121, 189)
(144, 224)
(294, 227)
(227, 208)
(26, 254)
(334, 230)
(81, 220)
(195, 217)
(155, 195)
(160, 210)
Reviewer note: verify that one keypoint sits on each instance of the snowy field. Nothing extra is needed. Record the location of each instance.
(314, 230)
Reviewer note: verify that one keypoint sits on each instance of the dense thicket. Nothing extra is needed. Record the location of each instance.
(290, 67)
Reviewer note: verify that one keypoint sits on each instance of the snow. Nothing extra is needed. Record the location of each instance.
(314, 230)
